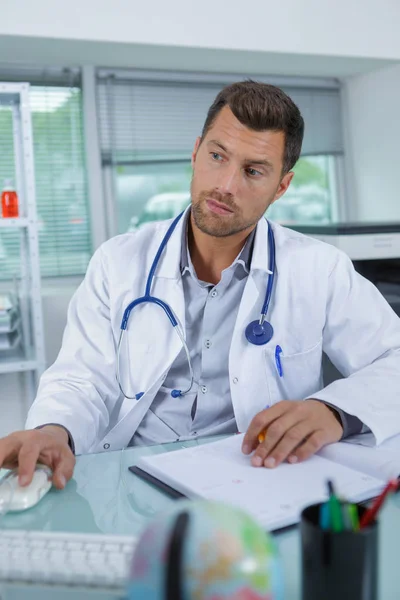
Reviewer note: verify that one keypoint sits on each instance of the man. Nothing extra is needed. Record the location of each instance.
(213, 273)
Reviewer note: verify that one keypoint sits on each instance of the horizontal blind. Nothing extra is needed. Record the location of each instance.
(61, 187)
(9, 238)
(148, 119)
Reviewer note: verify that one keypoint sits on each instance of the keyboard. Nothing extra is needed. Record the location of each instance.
(65, 559)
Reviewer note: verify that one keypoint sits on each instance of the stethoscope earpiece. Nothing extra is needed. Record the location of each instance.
(176, 393)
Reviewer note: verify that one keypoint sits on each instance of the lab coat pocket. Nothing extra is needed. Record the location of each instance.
(293, 376)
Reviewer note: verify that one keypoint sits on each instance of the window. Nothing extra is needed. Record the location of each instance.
(151, 192)
(311, 197)
(61, 188)
(148, 125)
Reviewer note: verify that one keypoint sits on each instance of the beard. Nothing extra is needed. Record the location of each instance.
(219, 225)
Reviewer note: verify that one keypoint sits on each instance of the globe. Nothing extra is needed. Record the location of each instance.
(202, 550)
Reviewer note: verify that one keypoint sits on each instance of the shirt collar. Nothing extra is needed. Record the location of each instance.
(243, 258)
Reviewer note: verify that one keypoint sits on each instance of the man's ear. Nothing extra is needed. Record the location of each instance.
(284, 184)
(195, 149)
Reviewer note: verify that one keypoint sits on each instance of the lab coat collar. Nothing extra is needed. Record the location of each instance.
(260, 259)
(170, 263)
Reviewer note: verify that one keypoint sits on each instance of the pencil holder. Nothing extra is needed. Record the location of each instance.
(338, 565)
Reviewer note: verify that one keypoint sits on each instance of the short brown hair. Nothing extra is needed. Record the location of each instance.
(262, 107)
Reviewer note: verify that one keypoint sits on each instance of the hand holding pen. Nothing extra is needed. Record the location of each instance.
(290, 430)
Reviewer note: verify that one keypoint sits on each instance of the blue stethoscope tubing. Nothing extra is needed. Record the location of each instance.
(257, 332)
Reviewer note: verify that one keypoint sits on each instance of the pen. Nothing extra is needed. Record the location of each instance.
(324, 520)
(278, 351)
(370, 515)
(263, 434)
(334, 509)
(353, 512)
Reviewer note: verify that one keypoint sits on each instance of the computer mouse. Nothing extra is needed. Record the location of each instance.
(14, 497)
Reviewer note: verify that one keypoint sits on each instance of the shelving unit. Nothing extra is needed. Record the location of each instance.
(29, 358)
(13, 223)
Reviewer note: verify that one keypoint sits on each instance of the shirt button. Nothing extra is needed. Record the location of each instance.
(106, 446)
(204, 389)
(214, 293)
(235, 380)
(207, 343)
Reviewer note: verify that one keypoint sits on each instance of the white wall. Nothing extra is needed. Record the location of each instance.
(372, 140)
(55, 298)
(331, 38)
(323, 27)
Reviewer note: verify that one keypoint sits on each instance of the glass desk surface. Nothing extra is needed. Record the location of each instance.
(104, 497)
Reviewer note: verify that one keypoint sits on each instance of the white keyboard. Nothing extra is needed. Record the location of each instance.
(65, 559)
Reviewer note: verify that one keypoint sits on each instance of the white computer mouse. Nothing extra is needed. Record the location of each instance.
(14, 497)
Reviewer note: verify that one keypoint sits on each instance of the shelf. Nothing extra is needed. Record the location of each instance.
(13, 338)
(18, 363)
(14, 223)
(23, 265)
(10, 327)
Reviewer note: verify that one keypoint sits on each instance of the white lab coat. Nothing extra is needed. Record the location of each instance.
(319, 303)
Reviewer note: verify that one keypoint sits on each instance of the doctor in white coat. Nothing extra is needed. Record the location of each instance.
(105, 392)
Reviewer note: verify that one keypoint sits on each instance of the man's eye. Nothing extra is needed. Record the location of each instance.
(216, 156)
(252, 172)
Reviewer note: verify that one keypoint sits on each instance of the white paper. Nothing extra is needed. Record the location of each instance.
(382, 462)
(275, 497)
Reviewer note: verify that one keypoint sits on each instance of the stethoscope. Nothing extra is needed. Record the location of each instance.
(257, 332)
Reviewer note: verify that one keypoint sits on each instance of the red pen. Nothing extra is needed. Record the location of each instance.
(371, 513)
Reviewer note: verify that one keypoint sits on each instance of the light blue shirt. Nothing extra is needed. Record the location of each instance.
(210, 315)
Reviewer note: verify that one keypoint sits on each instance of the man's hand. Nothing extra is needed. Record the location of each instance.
(49, 446)
(294, 431)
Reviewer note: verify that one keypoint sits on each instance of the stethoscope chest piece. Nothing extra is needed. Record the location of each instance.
(259, 333)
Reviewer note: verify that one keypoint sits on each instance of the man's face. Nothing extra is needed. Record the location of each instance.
(237, 174)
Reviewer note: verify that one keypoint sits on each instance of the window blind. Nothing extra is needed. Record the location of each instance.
(61, 187)
(144, 119)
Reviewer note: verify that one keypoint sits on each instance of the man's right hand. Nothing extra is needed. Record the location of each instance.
(48, 445)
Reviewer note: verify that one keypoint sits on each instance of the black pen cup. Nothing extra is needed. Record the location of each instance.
(338, 565)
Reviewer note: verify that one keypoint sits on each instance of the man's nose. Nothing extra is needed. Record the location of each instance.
(228, 180)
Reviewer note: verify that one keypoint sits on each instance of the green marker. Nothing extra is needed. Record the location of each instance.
(353, 512)
(335, 509)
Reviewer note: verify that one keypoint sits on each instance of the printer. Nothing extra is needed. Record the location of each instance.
(374, 249)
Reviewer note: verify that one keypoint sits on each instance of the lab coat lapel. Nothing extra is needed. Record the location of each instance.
(152, 343)
(244, 358)
(254, 291)
(167, 286)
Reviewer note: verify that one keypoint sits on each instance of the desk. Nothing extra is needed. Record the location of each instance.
(99, 499)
